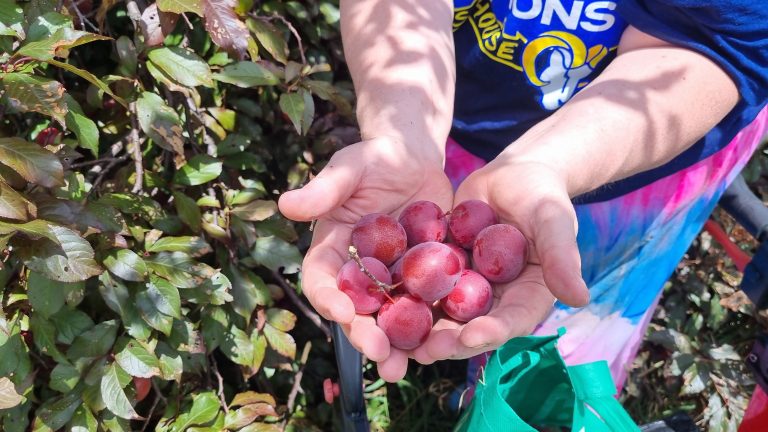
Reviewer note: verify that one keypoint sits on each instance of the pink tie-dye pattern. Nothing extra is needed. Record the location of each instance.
(613, 337)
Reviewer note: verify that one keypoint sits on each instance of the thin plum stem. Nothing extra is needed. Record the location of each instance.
(384, 287)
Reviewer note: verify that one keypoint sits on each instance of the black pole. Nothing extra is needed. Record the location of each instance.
(350, 364)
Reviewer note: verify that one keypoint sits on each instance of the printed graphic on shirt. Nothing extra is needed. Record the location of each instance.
(557, 44)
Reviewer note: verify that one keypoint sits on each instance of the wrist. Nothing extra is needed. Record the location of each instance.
(424, 150)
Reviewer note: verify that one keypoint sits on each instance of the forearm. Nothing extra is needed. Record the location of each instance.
(400, 55)
(649, 105)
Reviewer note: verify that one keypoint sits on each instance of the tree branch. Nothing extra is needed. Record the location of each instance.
(291, 293)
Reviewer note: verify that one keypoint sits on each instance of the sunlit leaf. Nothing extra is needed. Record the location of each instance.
(270, 38)
(9, 398)
(13, 205)
(184, 66)
(280, 341)
(180, 6)
(225, 27)
(84, 128)
(72, 260)
(114, 397)
(281, 319)
(257, 210)
(246, 74)
(198, 170)
(137, 361)
(160, 122)
(32, 162)
(126, 265)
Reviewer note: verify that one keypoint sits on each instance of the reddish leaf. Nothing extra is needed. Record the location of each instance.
(225, 28)
(155, 25)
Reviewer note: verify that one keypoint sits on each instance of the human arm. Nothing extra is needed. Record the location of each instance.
(645, 108)
(400, 56)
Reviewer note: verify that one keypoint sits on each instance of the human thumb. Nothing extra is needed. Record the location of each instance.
(324, 193)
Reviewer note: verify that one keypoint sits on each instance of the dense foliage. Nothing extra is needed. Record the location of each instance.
(148, 277)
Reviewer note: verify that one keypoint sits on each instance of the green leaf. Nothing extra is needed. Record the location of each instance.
(45, 25)
(259, 350)
(180, 6)
(252, 397)
(84, 128)
(308, 114)
(137, 361)
(11, 19)
(225, 28)
(281, 319)
(164, 296)
(13, 205)
(144, 206)
(261, 427)
(248, 291)
(70, 323)
(205, 407)
(270, 38)
(257, 210)
(188, 211)
(182, 65)
(275, 253)
(72, 261)
(126, 265)
(292, 105)
(180, 269)
(55, 413)
(83, 421)
(112, 423)
(215, 291)
(31, 93)
(46, 296)
(198, 170)
(214, 325)
(238, 347)
(114, 293)
(58, 44)
(246, 74)
(45, 337)
(148, 310)
(64, 378)
(281, 342)
(246, 415)
(160, 122)
(91, 78)
(171, 363)
(32, 162)
(35, 229)
(95, 342)
(114, 396)
(194, 246)
(9, 398)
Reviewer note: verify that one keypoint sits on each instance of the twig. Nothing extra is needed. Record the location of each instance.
(297, 378)
(220, 381)
(292, 29)
(291, 293)
(158, 392)
(95, 162)
(138, 162)
(151, 411)
(81, 17)
(103, 173)
(384, 287)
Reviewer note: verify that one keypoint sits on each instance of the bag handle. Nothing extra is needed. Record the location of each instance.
(594, 390)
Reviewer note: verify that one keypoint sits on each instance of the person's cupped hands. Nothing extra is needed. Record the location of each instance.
(533, 198)
(380, 175)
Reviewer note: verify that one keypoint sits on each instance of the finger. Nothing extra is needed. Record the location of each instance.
(394, 367)
(368, 338)
(327, 191)
(422, 353)
(558, 252)
(319, 270)
(522, 307)
(444, 344)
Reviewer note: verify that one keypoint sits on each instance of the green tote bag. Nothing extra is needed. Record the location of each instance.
(526, 383)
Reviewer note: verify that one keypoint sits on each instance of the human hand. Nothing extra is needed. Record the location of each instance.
(378, 175)
(534, 198)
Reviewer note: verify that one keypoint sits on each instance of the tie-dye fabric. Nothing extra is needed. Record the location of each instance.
(629, 247)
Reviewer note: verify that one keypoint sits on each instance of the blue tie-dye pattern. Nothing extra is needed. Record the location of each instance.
(627, 257)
